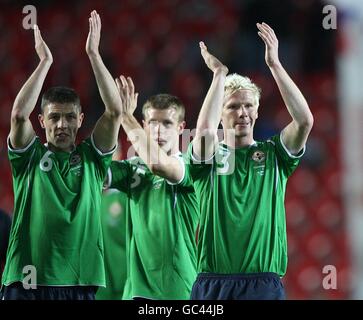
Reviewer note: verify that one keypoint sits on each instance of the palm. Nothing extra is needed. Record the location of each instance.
(94, 34)
(41, 47)
(92, 43)
(211, 61)
(271, 44)
(127, 93)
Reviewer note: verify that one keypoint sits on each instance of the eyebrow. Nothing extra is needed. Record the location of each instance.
(58, 113)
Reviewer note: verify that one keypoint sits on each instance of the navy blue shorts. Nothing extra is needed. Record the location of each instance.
(16, 291)
(242, 286)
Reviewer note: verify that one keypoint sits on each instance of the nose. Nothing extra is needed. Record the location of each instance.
(242, 112)
(159, 128)
(62, 123)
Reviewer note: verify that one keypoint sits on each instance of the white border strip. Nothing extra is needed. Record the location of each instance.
(23, 149)
(301, 152)
(179, 157)
(99, 151)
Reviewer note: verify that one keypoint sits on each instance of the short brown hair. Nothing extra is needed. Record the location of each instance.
(164, 101)
(60, 95)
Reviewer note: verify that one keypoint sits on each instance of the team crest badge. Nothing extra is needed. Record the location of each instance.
(75, 159)
(258, 156)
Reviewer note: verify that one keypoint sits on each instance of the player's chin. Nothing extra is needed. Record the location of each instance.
(63, 143)
(165, 146)
(241, 132)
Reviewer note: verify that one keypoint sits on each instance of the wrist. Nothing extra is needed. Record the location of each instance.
(47, 61)
(220, 71)
(275, 65)
(93, 54)
(126, 117)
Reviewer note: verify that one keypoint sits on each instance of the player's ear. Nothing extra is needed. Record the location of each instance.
(41, 120)
(80, 120)
(181, 127)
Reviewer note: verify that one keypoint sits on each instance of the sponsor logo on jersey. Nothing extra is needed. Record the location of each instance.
(157, 184)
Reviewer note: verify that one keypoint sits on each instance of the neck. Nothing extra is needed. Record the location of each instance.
(53, 148)
(233, 141)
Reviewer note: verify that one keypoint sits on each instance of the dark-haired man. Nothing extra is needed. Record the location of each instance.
(56, 249)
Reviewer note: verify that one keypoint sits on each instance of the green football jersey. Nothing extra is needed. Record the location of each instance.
(113, 217)
(56, 225)
(241, 199)
(161, 227)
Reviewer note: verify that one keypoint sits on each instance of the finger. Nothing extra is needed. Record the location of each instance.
(273, 36)
(118, 84)
(262, 28)
(98, 19)
(120, 88)
(123, 81)
(265, 35)
(202, 45)
(131, 86)
(270, 31)
(35, 33)
(90, 25)
(204, 51)
(266, 31)
(39, 38)
(93, 22)
(94, 19)
(136, 95)
(268, 27)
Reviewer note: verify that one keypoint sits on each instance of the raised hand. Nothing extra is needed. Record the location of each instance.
(271, 44)
(41, 47)
(127, 93)
(94, 34)
(211, 61)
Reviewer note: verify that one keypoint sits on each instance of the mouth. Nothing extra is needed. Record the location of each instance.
(61, 135)
(161, 142)
(242, 124)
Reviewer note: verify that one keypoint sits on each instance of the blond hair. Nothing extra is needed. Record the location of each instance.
(236, 82)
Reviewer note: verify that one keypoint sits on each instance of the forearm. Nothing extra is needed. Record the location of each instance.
(209, 118)
(292, 96)
(148, 150)
(106, 86)
(211, 111)
(28, 95)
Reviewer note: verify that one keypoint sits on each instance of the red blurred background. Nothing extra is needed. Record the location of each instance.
(156, 43)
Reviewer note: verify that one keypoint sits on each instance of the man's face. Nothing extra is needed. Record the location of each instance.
(240, 113)
(61, 123)
(164, 127)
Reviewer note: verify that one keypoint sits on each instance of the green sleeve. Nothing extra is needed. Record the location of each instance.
(185, 181)
(20, 158)
(198, 169)
(120, 174)
(103, 160)
(286, 160)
